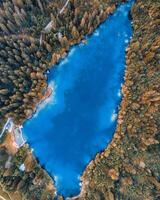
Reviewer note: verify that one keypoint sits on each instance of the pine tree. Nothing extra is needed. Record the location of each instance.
(75, 33)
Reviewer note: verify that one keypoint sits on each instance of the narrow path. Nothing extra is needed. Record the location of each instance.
(49, 25)
(65, 5)
(7, 126)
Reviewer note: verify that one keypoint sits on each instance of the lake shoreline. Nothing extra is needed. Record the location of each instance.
(120, 134)
(125, 33)
(56, 58)
(116, 146)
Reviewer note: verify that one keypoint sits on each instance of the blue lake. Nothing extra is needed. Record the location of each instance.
(79, 119)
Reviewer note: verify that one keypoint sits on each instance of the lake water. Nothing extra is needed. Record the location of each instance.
(79, 118)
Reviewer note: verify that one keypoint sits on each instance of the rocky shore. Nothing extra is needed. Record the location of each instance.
(130, 167)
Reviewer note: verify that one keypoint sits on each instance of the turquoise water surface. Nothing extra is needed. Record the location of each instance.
(79, 119)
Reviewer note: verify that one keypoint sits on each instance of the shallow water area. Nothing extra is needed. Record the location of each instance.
(78, 120)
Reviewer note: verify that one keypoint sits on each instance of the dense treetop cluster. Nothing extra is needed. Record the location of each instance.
(28, 47)
(130, 167)
(34, 35)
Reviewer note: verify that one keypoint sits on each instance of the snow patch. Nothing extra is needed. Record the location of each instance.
(114, 116)
(22, 167)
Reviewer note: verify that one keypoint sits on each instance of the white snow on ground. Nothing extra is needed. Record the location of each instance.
(15, 130)
(22, 167)
(8, 162)
(18, 137)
